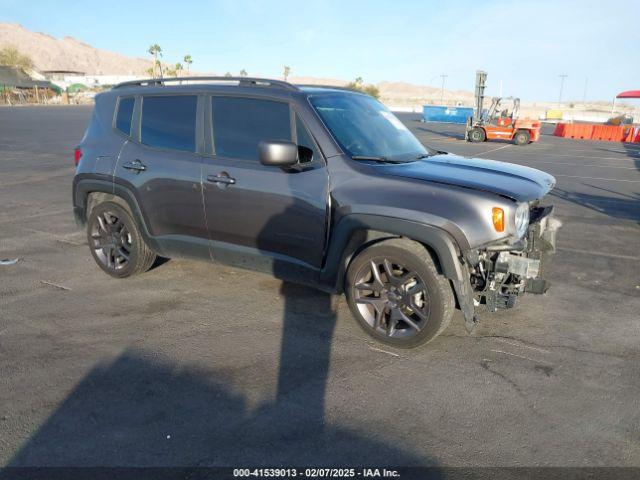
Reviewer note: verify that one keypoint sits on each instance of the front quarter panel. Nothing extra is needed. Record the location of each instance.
(464, 213)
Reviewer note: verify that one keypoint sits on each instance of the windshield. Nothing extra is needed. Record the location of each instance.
(365, 128)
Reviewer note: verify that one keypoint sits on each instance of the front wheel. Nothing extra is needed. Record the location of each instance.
(116, 243)
(521, 137)
(477, 135)
(396, 294)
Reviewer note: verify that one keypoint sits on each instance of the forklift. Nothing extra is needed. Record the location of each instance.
(501, 121)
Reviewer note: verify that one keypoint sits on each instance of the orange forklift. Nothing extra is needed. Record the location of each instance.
(501, 120)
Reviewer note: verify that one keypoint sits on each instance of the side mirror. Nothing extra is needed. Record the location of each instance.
(278, 153)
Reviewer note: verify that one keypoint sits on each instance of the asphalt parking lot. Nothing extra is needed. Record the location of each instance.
(197, 364)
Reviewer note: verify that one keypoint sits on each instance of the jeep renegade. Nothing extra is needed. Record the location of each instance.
(321, 186)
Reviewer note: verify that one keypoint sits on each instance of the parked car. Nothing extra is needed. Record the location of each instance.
(321, 186)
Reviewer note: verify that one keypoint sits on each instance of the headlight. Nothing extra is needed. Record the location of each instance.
(522, 219)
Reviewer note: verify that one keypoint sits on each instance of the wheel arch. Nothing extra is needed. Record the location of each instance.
(88, 192)
(356, 232)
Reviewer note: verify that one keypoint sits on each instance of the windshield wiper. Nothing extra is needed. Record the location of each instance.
(367, 158)
(425, 155)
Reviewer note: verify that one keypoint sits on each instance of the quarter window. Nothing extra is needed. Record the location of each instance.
(239, 124)
(169, 122)
(125, 113)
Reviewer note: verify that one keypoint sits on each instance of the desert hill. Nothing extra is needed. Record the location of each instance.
(68, 53)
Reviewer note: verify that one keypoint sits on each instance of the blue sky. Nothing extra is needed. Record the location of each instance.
(524, 44)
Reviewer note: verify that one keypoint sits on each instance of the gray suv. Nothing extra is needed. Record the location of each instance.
(321, 186)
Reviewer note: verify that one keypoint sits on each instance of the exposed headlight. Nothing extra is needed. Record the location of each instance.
(522, 219)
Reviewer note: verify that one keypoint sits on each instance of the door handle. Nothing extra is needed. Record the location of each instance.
(137, 166)
(224, 179)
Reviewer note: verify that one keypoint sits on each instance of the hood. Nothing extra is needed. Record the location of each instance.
(519, 183)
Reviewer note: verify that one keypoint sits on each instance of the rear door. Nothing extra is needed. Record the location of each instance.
(162, 165)
(277, 212)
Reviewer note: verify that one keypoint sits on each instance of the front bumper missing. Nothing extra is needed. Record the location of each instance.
(504, 272)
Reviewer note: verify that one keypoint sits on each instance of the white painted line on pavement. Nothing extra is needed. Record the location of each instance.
(599, 254)
(493, 150)
(598, 178)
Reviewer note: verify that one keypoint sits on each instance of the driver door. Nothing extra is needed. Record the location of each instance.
(253, 210)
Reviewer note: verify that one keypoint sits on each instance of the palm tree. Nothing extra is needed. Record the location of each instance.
(287, 71)
(156, 51)
(188, 61)
(178, 69)
(243, 73)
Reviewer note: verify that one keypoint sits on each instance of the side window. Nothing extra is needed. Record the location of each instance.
(304, 140)
(239, 124)
(124, 115)
(169, 122)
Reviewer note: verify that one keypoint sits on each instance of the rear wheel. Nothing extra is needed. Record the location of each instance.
(397, 295)
(115, 241)
(477, 134)
(521, 137)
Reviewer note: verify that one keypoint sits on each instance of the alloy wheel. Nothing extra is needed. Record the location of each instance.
(111, 241)
(391, 298)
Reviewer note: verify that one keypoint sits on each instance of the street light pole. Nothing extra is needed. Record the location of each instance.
(562, 77)
(442, 91)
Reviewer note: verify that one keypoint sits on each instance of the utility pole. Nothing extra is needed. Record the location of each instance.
(562, 77)
(442, 91)
(584, 94)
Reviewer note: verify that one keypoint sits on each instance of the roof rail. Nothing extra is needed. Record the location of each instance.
(334, 87)
(240, 81)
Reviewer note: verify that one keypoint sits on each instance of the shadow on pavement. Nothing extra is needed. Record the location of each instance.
(144, 410)
(626, 208)
(443, 133)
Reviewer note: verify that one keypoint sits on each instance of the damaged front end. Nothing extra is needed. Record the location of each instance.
(500, 273)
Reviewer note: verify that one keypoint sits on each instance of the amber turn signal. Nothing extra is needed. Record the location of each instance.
(498, 219)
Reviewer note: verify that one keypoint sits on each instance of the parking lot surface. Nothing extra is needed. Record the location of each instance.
(198, 364)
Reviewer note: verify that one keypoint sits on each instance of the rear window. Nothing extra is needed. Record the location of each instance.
(169, 122)
(239, 124)
(125, 113)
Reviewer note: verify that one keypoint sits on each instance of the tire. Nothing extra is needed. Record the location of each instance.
(116, 243)
(521, 137)
(477, 135)
(407, 309)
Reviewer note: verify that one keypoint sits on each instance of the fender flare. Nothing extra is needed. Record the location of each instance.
(342, 247)
(345, 244)
(82, 187)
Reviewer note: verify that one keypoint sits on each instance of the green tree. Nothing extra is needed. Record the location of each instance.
(178, 68)
(156, 51)
(359, 86)
(287, 71)
(188, 61)
(12, 57)
(228, 74)
(243, 73)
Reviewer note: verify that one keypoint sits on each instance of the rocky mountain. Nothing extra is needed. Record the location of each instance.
(68, 53)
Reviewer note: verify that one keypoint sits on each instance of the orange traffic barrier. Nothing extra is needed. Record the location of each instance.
(559, 131)
(630, 134)
(609, 133)
(574, 130)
